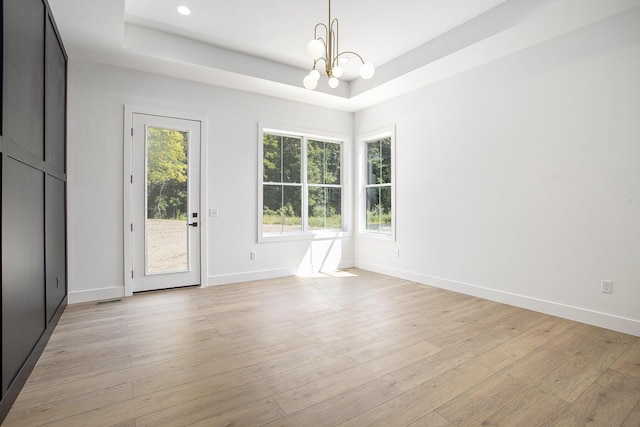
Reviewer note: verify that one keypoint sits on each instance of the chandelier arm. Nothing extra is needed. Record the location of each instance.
(336, 40)
(329, 52)
(315, 30)
(349, 52)
(324, 42)
(316, 62)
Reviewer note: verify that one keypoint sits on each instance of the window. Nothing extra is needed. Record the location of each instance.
(282, 184)
(378, 190)
(324, 160)
(301, 192)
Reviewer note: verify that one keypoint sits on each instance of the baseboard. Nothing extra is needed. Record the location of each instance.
(89, 295)
(22, 377)
(76, 297)
(227, 279)
(603, 320)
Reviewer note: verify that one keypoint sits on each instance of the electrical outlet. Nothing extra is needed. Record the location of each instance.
(607, 287)
(396, 252)
(214, 212)
(252, 255)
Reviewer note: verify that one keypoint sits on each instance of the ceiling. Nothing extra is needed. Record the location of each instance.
(260, 45)
(279, 30)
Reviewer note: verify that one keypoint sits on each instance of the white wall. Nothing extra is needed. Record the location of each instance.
(520, 181)
(97, 95)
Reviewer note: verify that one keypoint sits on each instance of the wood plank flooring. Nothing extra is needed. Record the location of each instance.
(350, 349)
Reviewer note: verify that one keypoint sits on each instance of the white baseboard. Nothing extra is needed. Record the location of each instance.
(226, 279)
(76, 297)
(603, 320)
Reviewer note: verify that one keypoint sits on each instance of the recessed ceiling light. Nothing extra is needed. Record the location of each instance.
(183, 10)
(344, 59)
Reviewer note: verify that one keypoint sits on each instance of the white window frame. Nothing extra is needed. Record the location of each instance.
(362, 140)
(305, 135)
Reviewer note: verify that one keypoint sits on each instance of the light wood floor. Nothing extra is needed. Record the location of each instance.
(360, 349)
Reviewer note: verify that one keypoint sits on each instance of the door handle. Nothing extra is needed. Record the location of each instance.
(193, 224)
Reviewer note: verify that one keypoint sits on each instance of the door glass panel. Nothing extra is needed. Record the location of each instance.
(166, 230)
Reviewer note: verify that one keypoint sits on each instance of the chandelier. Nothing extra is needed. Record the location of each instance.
(325, 49)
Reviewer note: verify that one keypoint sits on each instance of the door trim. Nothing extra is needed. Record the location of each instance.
(129, 110)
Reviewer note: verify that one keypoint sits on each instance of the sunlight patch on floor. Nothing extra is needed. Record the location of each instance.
(337, 273)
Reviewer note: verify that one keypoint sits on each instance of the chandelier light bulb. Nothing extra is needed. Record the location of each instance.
(367, 70)
(315, 75)
(334, 82)
(315, 49)
(337, 71)
(309, 82)
(183, 10)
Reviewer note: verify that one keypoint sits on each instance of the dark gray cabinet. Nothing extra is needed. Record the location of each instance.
(55, 98)
(23, 316)
(24, 26)
(33, 189)
(55, 245)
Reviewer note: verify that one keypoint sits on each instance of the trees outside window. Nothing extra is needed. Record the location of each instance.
(324, 187)
(301, 189)
(281, 184)
(166, 173)
(377, 206)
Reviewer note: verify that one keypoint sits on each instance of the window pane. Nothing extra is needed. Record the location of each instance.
(281, 208)
(333, 160)
(317, 208)
(334, 209)
(385, 166)
(291, 159)
(373, 162)
(373, 203)
(325, 208)
(379, 161)
(323, 162)
(315, 162)
(271, 208)
(385, 211)
(291, 209)
(166, 233)
(379, 209)
(272, 158)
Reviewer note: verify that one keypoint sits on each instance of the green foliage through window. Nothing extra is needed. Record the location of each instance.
(378, 186)
(285, 185)
(166, 173)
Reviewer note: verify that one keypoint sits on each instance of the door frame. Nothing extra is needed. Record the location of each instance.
(129, 110)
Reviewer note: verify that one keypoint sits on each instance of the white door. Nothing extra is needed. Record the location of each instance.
(165, 202)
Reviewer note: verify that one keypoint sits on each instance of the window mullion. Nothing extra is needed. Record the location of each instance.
(305, 184)
(381, 160)
(282, 182)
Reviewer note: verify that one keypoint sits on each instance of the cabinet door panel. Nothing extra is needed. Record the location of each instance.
(24, 74)
(23, 300)
(55, 90)
(55, 244)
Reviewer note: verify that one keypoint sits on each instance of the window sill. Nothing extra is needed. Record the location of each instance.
(309, 235)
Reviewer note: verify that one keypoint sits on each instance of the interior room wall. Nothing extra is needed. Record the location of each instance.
(520, 182)
(97, 95)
